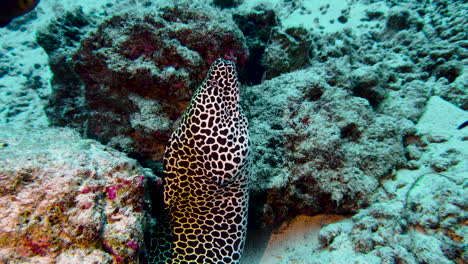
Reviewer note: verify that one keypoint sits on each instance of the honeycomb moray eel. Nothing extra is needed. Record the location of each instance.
(206, 167)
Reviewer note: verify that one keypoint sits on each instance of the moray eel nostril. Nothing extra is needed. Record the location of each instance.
(206, 169)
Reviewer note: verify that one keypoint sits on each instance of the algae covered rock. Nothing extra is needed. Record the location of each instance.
(317, 148)
(287, 50)
(130, 77)
(65, 198)
(256, 24)
(418, 215)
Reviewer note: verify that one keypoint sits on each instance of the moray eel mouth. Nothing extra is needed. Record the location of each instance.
(206, 168)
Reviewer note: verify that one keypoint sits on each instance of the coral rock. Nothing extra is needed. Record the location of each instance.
(55, 199)
(317, 148)
(131, 78)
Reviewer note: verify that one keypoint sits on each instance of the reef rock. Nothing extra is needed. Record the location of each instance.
(317, 147)
(385, 48)
(286, 51)
(131, 77)
(64, 199)
(418, 215)
(256, 24)
(324, 137)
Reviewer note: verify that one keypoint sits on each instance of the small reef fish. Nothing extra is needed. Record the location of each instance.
(10, 9)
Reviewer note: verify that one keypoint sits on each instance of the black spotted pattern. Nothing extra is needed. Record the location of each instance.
(206, 168)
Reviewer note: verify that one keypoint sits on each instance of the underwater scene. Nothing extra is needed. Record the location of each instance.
(233, 131)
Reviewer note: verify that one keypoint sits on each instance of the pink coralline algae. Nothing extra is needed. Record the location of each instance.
(112, 192)
(132, 244)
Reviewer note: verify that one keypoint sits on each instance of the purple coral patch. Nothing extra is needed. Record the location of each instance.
(112, 192)
(132, 244)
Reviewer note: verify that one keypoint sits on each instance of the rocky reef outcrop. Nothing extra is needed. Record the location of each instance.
(326, 136)
(317, 147)
(416, 216)
(129, 78)
(64, 199)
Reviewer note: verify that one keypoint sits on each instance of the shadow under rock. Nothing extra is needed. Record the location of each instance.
(255, 245)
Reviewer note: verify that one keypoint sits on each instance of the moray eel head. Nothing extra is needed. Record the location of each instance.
(215, 126)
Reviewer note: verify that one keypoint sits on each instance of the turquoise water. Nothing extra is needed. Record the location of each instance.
(117, 143)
